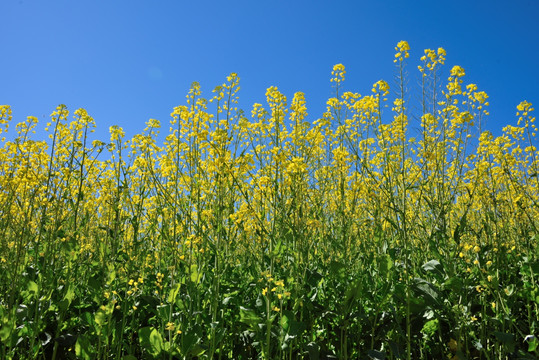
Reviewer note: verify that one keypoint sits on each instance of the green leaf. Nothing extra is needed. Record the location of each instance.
(454, 284)
(173, 293)
(427, 291)
(70, 293)
(157, 342)
(249, 317)
(430, 328)
(292, 327)
(111, 275)
(87, 317)
(376, 355)
(353, 293)
(313, 278)
(194, 273)
(164, 312)
(385, 264)
(83, 348)
(338, 269)
(151, 340)
(63, 305)
(32, 287)
(533, 343)
(5, 332)
(190, 345)
(433, 265)
(100, 318)
(277, 249)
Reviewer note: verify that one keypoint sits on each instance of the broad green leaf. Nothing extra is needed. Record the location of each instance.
(151, 340)
(385, 264)
(190, 345)
(454, 284)
(164, 312)
(173, 293)
(249, 317)
(83, 348)
(88, 318)
(100, 318)
(353, 293)
(111, 275)
(157, 342)
(63, 304)
(194, 273)
(70, 293)
(6, 330)
(290, 325)
(427, 291)
(32, 287)
(433, 265)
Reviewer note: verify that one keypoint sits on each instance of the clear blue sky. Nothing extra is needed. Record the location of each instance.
(126, 61)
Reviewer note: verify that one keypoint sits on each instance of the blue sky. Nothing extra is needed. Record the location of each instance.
(127, 61)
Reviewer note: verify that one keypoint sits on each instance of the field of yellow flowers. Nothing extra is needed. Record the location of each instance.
(385, 229)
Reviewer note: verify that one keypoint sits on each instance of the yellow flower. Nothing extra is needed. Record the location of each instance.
(338, 73)
(402, 49)
(524, 106)
(380, 87)
(170, 326)
(264, 291)
(457, 71)
(116, 133)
